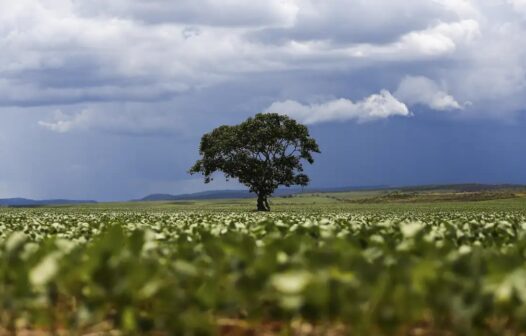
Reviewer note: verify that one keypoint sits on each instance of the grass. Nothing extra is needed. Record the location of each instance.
(373, 201)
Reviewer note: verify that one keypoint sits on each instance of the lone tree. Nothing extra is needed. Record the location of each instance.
(263, 152)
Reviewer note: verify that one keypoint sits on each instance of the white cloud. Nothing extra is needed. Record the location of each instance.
(73, 51)
(438, 40)
(442, 38)
(374, 107)
(519, 5)
(424, 91)
(496, 71)
(66, 51)
(125, 122)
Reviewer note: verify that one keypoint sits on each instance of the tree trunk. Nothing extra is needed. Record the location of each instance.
(266, 204)
(263, 203)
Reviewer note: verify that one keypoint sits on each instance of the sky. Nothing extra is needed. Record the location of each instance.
(107, 100)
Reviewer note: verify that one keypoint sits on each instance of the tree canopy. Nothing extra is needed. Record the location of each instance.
(263, 152)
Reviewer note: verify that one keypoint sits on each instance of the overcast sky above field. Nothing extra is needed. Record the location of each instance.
(107, 100)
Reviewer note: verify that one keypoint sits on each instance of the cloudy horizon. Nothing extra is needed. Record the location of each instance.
(108, 100)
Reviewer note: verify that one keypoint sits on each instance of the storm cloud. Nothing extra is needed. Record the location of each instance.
(117, 74)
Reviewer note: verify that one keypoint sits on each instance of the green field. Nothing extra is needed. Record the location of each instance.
(359, 263)
(346, 201)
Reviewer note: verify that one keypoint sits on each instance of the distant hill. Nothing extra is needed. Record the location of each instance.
(24, 202)
(239, 194)
(216, 194)
(210, 195)
(232, 194)
(466, 187)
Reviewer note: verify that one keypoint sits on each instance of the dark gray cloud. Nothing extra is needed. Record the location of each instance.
(359, 21)
(66, 51)
(205, 12)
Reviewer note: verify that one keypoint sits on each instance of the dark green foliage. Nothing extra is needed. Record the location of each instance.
(263, 153)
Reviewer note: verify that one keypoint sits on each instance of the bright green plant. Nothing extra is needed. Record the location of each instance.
(199, 273)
